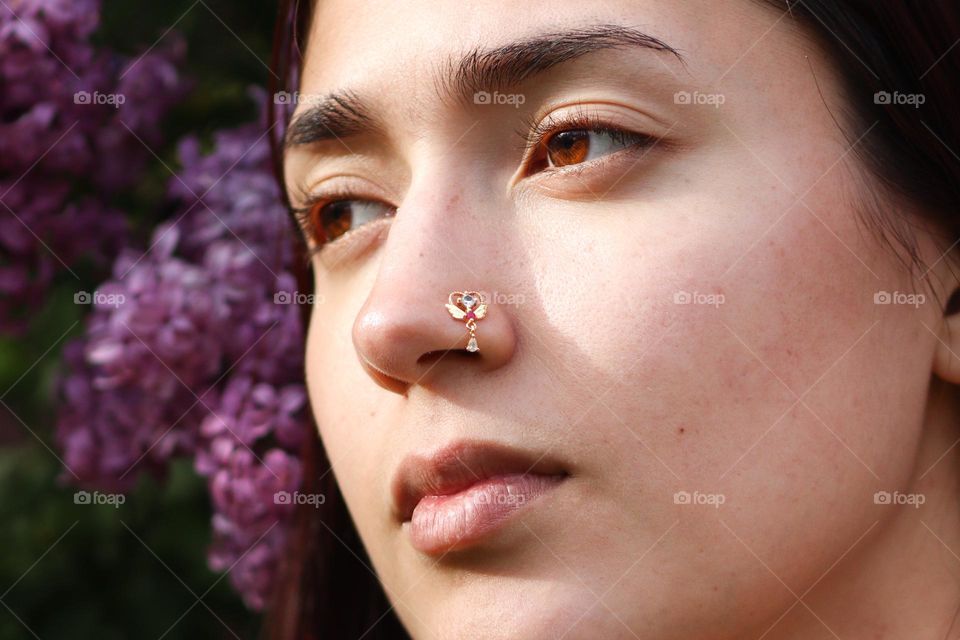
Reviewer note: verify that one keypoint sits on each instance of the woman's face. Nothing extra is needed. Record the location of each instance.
(683, 340)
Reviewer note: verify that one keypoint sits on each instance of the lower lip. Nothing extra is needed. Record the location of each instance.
(441, 524)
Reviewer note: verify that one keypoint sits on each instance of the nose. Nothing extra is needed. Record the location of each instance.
(404, 335)
(404, 340)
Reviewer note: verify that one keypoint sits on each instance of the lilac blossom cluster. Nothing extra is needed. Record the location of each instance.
(200, 359)
(185, 353)
(75, 123)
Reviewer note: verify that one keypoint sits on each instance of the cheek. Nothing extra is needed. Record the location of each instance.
(755, 365)
(344, 406)
(828, 381)
(714, 315)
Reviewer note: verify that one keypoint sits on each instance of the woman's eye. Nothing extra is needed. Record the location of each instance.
(576, 146)
(331, 219)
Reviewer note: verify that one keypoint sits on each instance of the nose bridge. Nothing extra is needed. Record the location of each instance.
(436, 232)
(438, 241)
(437, 244)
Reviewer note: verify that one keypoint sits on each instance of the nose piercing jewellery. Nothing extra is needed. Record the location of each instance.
(468, 306)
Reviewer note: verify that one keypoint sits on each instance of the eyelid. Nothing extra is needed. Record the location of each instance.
(360, 240)
(596, 110)
(348, 242)
(574, 116)
(326, 191)
(595, 116)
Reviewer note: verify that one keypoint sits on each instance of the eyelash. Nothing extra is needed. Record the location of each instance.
(533, 136)
(536, 133)
(310, 200)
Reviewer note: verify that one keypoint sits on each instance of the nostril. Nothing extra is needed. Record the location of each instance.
(432, 357)
(402, 340)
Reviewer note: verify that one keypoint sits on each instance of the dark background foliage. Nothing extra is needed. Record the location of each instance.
(139, 570)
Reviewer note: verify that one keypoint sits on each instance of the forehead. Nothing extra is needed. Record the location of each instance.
(401, 48)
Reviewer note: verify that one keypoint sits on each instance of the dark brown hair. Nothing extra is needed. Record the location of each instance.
(327, 590)
(882, 51)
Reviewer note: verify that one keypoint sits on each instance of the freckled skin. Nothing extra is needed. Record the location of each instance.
(795, 397)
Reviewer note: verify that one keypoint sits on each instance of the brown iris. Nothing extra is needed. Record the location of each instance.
(331, 219)
(568, 147)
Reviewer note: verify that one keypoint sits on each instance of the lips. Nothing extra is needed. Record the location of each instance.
(467, 490)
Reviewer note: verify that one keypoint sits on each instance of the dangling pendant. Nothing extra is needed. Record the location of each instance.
(469, 306)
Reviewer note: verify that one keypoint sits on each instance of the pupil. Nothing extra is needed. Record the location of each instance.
(338, 218)
(569, 147)
(568, 139)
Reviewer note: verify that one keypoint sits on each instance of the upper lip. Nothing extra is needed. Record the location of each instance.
(458, 466)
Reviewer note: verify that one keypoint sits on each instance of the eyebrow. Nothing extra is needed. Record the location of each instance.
(344, 113)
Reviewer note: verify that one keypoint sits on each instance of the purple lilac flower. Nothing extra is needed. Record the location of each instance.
(105, 436)
(58, 138)
(189, 355)
(248, 525)
(161, 332)
(196, 357)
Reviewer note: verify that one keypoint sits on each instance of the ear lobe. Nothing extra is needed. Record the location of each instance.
(946, 358)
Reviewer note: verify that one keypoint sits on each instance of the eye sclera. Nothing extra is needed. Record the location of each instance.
(353, 244)
(344, 241)
(322, 195)
(540, 129)
(573, 117)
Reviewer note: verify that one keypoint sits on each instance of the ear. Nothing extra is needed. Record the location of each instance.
(946, 359)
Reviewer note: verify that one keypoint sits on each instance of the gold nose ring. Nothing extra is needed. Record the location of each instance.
(469, 306)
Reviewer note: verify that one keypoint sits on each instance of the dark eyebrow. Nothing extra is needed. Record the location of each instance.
(336, 115)
(341, 114)
(508, 65)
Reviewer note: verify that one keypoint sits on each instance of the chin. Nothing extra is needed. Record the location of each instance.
(506, 608)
